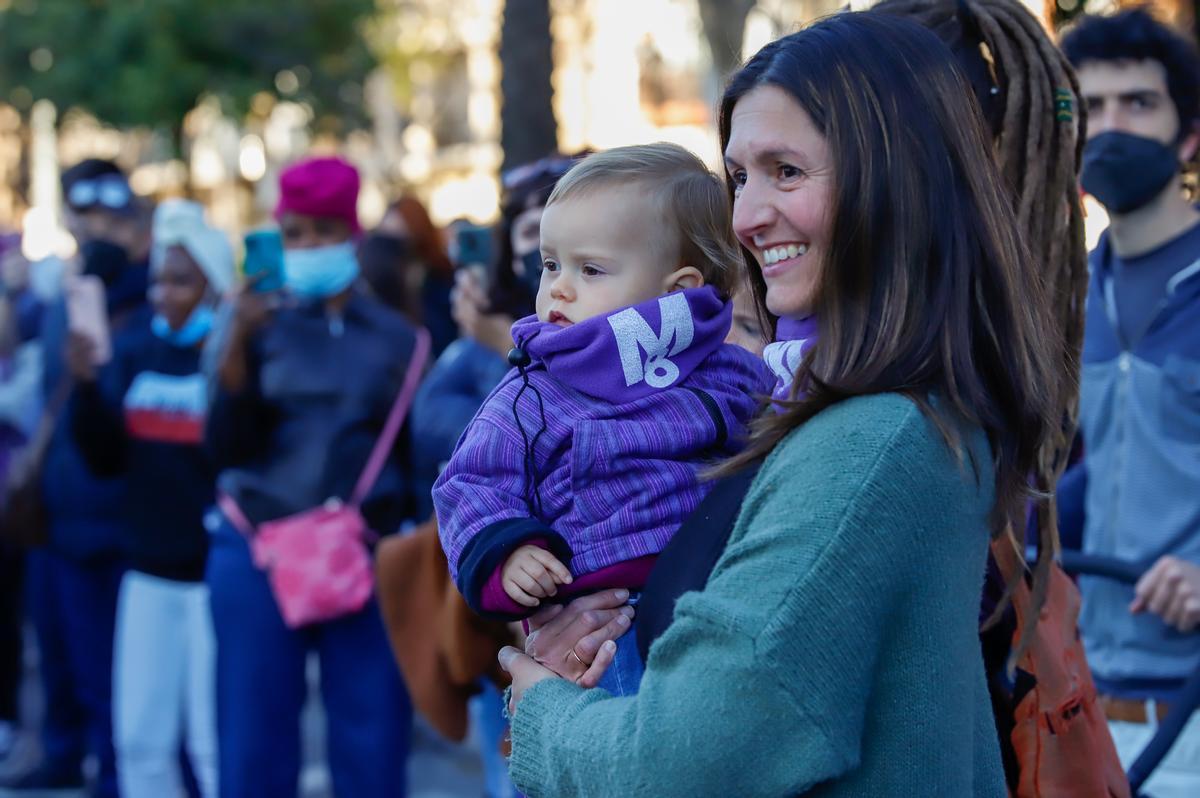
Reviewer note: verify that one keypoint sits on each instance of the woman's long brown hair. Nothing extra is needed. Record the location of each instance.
(924, 290)
(427, 244)
(1030, 97)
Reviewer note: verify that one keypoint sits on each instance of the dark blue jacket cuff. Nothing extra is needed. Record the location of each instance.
(488, 550)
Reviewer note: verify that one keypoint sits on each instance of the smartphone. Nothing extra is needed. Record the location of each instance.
(87, 314)
(473, 246)
(263, 264)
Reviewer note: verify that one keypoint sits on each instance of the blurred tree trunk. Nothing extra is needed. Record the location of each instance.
(724, 23)
(528, 130)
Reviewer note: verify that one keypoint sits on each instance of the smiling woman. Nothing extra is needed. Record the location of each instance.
(834, 646)
(781, 216)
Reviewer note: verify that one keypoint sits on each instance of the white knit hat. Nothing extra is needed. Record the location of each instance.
(181, 222)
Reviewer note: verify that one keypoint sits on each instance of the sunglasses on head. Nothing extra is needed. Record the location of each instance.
(554, 166)
(110, 191)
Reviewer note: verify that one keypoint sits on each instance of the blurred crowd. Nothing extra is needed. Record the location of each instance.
(152, 371)
(180, 413)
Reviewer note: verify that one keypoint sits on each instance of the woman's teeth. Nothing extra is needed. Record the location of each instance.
(776, 254)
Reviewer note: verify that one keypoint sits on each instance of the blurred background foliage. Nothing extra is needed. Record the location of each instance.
(211, 98)
(146, 63)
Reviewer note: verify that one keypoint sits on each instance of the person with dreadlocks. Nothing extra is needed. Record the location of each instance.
(1140, 410)
(1028, 92)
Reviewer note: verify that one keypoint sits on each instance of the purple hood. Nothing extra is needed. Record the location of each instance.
(633, 352)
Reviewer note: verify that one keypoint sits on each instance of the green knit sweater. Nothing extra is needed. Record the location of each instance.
(833, 652)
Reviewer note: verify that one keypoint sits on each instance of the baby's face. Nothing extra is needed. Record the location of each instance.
(601, 251)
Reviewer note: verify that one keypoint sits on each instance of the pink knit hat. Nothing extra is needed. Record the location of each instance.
(322, 187)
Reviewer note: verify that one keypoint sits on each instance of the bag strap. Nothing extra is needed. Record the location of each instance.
(229, 508)
(48, 422)
(383, 446)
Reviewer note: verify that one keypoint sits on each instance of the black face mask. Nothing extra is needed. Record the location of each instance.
(532, 278)
(104, 259)
(383, 259)
(1125, 172)
(385, 246)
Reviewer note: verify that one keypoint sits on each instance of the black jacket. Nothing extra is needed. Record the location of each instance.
(318, 394)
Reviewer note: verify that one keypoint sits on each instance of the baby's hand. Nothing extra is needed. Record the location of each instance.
(531, 574)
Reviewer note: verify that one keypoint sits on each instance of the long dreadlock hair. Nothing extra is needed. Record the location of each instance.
(1030, 99)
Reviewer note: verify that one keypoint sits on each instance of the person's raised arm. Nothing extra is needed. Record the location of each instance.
(239, 421)
(94, 410)
(251, 312)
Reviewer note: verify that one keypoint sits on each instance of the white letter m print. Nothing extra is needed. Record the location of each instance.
(634, 333)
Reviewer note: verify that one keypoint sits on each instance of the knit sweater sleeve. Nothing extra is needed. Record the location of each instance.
(761, 685)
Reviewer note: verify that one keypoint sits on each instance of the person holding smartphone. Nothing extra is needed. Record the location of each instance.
(142, 416)
(303, 384)
(76, 577)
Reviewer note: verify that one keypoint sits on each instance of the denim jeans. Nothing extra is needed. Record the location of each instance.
(74, 610)
(624, 674)
(489, 719)
(261, 689)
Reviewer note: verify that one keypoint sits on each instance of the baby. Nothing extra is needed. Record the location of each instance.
(585, 460)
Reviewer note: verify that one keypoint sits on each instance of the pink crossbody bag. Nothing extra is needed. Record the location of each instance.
(317, 561)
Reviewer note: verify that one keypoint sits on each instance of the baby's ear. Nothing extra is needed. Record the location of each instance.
(685, 277)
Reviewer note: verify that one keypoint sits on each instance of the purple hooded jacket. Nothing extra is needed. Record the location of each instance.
(635, 404)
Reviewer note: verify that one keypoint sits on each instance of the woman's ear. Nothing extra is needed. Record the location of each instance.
(685, 277)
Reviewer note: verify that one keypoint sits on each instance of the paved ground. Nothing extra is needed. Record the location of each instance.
(437, 768)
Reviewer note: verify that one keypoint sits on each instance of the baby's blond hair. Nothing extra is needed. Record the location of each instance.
(692, 200)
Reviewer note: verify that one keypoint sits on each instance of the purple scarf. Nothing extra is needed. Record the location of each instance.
(793, 340)
(632, 352)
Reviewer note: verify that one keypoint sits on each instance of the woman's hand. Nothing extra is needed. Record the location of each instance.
(576, 641)
(493, 330)
(525, 673)
(251, 312)
(251, 309)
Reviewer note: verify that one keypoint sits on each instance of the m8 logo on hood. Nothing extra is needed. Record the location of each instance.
(635, 334)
